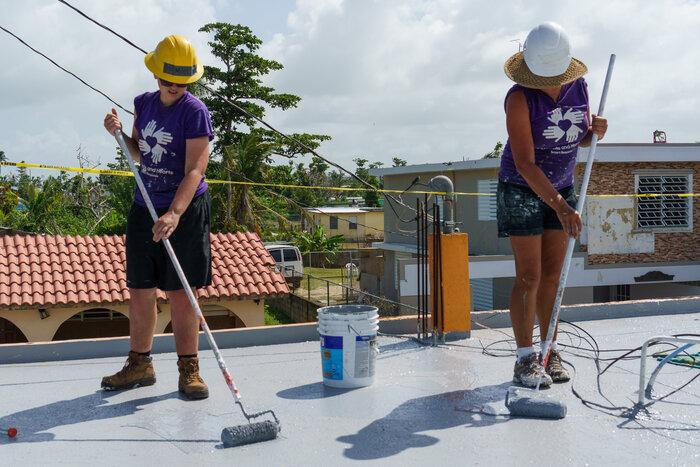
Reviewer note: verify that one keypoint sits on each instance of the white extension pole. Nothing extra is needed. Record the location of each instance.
(180, 273)
(579, 207)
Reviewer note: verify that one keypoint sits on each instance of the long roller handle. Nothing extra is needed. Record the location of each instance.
(579, 207)
(180, 273)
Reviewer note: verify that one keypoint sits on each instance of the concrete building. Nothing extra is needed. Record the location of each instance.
(631, 247)
(359, 225)
(64, 287)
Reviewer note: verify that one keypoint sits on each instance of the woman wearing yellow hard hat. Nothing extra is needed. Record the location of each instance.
(170, 137)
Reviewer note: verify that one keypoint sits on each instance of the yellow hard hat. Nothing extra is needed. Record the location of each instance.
(175, 60)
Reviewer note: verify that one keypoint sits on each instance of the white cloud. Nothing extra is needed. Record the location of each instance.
(423, 79)
(46, 113)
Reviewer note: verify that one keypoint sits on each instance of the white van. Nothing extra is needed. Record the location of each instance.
(289, 262)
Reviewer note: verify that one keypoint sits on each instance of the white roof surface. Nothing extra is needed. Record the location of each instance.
(424, 408)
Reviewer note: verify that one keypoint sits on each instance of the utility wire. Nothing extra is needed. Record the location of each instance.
(248, 114)
(67, 71)
(389, 198)
(102, 26)
(302, 206)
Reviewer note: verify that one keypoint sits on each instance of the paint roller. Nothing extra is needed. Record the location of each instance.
(524, 402)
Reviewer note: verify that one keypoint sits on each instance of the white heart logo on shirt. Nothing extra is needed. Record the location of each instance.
(162, 138)
(555, 131)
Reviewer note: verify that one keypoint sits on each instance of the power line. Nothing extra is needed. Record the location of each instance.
(67, 71)
(248, 114)
(387, 197)
(303, 207)
(102, 26)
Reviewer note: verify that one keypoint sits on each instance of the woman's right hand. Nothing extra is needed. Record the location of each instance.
(112, 122)
(570, 220)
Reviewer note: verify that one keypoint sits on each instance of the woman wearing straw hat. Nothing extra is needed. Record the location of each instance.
(170, 138)
(548, 118)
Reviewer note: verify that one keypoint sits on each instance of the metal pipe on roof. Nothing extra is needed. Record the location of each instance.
(443, 183)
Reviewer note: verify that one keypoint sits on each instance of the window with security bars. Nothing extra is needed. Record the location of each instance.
(666, 209)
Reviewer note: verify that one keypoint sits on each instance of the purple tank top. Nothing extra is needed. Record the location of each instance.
(557, 129)
(162, 136)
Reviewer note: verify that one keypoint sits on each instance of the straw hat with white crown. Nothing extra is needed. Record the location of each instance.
(546, 60)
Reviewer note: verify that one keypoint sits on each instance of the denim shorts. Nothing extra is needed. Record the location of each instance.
(521, 212)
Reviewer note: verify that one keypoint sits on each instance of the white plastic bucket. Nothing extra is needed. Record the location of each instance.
(348, 344)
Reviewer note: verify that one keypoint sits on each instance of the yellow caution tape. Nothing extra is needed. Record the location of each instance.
(127, 173)
(121, 173)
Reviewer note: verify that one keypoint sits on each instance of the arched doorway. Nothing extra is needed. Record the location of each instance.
(217, 317)
(10, 334)
(96, 322)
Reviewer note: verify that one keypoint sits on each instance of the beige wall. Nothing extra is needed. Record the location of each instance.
(370, 225)
(36, 329)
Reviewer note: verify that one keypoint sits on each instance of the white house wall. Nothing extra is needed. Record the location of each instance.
(610, 227)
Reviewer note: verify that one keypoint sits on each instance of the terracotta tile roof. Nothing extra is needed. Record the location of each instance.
(50, 270)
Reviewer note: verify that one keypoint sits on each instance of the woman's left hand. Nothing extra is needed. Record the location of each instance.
(165, 226)
(599, 126)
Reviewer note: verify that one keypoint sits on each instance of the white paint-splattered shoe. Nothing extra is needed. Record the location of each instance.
(555, 369)
(528, 372)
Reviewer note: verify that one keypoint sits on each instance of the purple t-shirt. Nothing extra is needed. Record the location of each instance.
(557, 129)
(162, 132)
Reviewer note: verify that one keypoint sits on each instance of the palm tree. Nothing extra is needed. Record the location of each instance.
(42, 206)
(246, 161)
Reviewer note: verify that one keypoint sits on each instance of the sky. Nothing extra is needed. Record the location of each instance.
(418, 79)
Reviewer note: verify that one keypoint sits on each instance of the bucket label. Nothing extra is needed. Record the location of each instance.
(364, 356)
(332, 357)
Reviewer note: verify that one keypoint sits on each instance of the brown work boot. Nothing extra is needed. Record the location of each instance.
(555, 369)
(190, 384)
(138, 371)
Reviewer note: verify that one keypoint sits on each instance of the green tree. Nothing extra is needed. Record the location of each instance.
(239, 79)
(8, 198)
(43, 206)
(495, 153)
(371, 197)
(317, 240)
(398, 162)
(3, 158)
(119, 192)
(247, 161)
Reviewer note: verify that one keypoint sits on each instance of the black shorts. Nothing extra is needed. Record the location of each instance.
(521, 212)
(147, 262)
